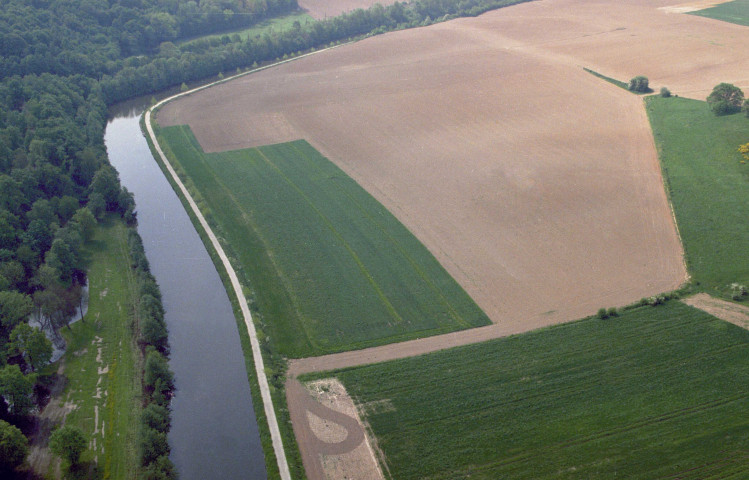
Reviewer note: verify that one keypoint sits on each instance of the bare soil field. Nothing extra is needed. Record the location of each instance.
(534, 183)
(319, 9)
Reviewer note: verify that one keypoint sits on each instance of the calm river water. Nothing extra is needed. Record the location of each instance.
(214, 432)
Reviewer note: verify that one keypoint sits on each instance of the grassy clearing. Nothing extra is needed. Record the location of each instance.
(733, 12)
(658, 392)
(102, 360)
(332, 270)
(708, 186)
(276, 24)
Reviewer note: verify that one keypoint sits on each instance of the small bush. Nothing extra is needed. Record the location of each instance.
(613, 312)
(153, 445)
(665, 92)
(156, 417)
(603, 313)
(738, 291)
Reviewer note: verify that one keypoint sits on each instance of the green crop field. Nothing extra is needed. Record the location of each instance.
(733, 12)
(331, 268)
(655, 393)
(709, 187)
(102, 363)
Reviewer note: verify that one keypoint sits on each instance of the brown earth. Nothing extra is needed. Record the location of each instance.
(534, 183)
(327, 422)
(320, 9)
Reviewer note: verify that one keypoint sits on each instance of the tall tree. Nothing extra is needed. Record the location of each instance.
(32, 345)
(725, 98)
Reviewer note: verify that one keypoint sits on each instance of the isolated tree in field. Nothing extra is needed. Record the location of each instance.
(13, 447)
(665, 92)
(725, 98)
(639, 84)
(68, 442)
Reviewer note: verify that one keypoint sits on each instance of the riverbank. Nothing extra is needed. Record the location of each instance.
(102, 394)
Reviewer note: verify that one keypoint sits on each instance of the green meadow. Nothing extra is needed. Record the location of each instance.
(659, 392)
(709, 187)
(330, 268)
(102, 363)
(736, 11)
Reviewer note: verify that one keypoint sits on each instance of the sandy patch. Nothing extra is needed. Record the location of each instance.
(320, 9)
(692, 6)
(330, 433)
(728, 311)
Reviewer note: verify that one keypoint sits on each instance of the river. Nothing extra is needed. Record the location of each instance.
(214, 431)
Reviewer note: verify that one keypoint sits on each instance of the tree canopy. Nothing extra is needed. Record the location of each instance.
(13, 446)
(69, 443)
(725, 99)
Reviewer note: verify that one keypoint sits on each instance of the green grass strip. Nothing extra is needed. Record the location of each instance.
(708, 185)
(331, 269)
(733, 12)
(656, 393)
(102, 361)
(616, 82)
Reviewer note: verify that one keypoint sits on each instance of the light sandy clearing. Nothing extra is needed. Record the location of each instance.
(321, 9)
(730, 312)
(535, 184)
(331, 437)
(693, 6)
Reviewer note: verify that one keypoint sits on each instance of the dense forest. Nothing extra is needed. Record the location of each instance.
(62, 62)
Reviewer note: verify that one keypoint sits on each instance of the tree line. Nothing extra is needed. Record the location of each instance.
(175, 64)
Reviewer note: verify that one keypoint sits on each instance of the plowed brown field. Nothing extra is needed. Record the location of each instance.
(533, 182)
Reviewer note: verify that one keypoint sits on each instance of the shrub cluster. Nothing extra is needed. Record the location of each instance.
(158, 379)
(639, 84)
(603, 313)
(726, 99)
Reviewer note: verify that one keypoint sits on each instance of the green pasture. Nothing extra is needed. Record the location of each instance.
(733, 12)
(113, 377)
(275, 24)
(659, 392)
(708, 185)
(331, 269)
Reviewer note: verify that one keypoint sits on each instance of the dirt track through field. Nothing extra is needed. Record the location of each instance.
(730, 312)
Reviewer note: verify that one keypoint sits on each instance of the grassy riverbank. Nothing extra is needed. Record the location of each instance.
(102, 363)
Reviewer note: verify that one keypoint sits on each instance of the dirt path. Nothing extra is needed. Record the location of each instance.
(730, 312)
